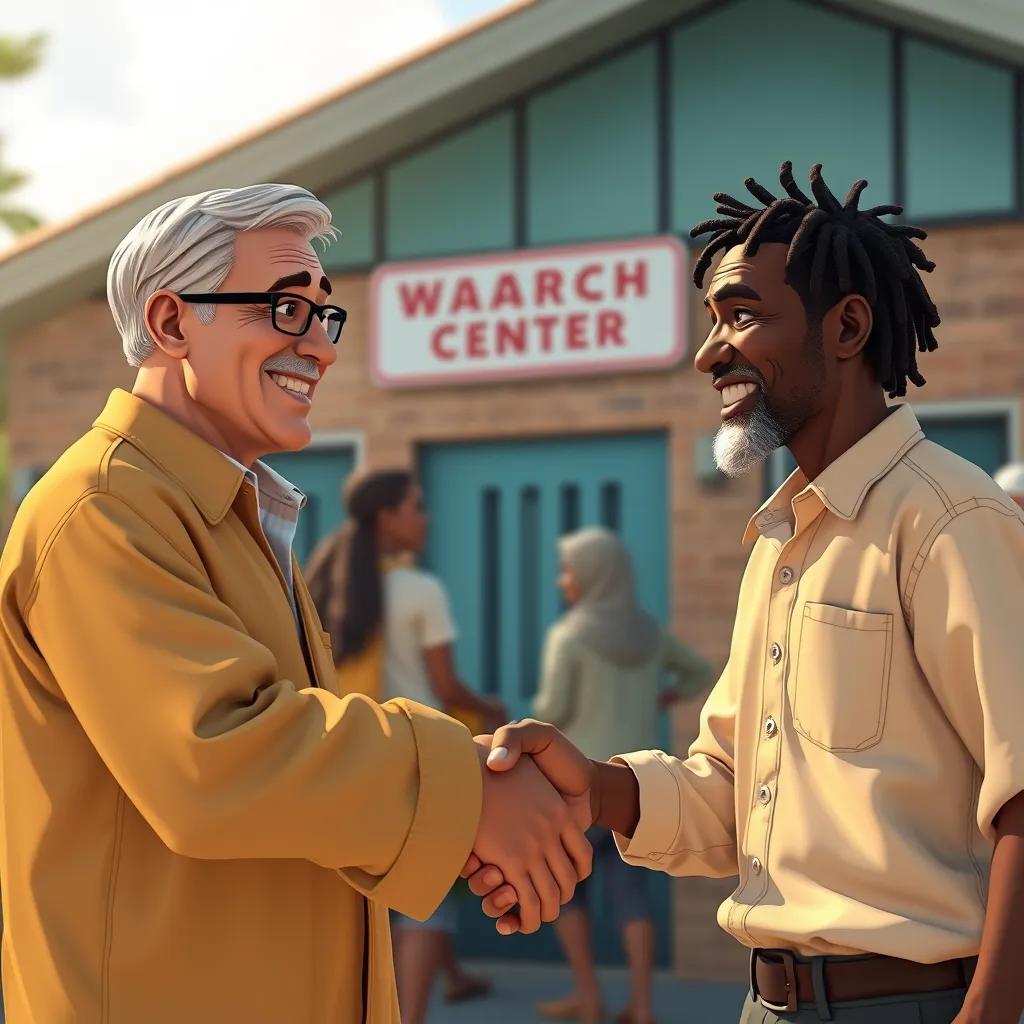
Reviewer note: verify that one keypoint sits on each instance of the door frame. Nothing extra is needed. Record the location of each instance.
(354, 439)
(966, 409)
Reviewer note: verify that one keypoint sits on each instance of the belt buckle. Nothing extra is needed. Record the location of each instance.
(789, 966)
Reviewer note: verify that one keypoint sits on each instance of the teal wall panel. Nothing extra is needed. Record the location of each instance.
(959, 133)
(762, 81)
(455, 196)
(352, 214)
(592, 153)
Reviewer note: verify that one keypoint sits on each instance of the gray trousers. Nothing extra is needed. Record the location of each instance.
(928, 1008)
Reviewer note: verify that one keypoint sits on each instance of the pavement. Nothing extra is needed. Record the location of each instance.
(518, 986)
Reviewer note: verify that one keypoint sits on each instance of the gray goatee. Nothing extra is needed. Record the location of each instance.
(744, 442)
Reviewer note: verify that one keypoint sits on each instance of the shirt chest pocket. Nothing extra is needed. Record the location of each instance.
(842, 677)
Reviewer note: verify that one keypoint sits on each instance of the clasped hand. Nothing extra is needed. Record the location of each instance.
(530, 850)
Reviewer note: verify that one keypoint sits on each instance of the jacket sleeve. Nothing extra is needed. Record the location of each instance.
(221, 756)
(687, 807)
(556, 696)
(968, 639)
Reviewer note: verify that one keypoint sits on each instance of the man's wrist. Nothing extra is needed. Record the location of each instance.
(617, 802)
(595, 791)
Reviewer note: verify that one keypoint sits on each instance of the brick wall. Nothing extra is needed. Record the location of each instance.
(62, 369)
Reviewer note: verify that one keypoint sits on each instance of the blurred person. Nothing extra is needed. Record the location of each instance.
(1011, 479)
(392, 634)
(601, 684)
(197, 825)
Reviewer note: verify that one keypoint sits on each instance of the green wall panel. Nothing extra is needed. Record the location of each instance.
(959, 133)
(592, 153)
(352, 214)
(455, 196)
(762, 81)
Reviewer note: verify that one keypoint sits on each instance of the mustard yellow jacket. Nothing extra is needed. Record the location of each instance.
(192, 816)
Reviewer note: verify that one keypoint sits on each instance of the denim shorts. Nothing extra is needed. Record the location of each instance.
(625, 886)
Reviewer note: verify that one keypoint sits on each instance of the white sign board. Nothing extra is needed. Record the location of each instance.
(605, 308)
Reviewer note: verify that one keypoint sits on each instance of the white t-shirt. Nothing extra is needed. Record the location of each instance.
(416, 616)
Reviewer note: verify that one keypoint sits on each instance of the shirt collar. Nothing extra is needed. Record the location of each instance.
(269, 483)
(843, 485)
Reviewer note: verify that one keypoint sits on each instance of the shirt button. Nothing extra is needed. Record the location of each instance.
(755, 866)
(786, 576)
(776, 652)
(764, 794)
(770, 728)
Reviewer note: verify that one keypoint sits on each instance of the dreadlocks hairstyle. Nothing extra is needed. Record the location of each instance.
(836, 249)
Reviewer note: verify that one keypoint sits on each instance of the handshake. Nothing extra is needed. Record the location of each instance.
(530, 849)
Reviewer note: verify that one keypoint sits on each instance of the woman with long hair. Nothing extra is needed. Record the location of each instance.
(601, 684)
(392, 634)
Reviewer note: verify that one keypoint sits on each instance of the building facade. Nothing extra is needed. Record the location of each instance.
(565, 134)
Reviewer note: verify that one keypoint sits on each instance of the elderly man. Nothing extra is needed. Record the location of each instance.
(196, 825)
(1011, 479)
(860, 762)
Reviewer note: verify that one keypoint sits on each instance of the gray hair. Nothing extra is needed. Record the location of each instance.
(188, 245)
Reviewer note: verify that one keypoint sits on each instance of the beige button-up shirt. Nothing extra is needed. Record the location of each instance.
(869, 724)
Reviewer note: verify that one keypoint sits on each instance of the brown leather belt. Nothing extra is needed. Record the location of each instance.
(781, 982)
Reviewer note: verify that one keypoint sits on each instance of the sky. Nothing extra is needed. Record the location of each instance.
(130, 87)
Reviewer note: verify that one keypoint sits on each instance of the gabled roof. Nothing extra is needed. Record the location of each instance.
(442, 85)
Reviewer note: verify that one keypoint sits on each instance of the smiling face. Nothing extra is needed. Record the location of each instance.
(244, 385)
(764, 358)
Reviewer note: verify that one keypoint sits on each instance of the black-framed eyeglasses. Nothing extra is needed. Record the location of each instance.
(290, 313)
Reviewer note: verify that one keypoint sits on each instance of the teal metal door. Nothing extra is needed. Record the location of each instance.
(497, 510)
(320, 473)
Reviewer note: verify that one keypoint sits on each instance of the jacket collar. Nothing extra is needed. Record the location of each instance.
(211, 480)
(843, 485)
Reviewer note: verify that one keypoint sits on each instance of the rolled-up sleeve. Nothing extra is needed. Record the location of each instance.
(687, 820)
(968, 622)
(220, 755)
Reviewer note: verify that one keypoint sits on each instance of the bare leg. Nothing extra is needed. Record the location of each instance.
(458, 983)
(638, 940)
(418, 956)
(573, 929)
(449, 965)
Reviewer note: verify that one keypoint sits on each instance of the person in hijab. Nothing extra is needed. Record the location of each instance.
(601, 684)
(391, 634)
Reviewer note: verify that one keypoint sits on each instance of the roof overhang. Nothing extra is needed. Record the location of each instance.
(356, 128)
(993, 27)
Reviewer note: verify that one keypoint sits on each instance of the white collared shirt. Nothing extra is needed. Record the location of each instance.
(869, 724)
(279, 503)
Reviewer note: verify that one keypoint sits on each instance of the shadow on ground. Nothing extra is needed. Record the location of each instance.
(518, 987)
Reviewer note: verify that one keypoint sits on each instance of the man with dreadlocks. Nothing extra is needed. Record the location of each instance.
(860, 763)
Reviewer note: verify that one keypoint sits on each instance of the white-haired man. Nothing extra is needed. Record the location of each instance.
(1011, 479)
(193, 816)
